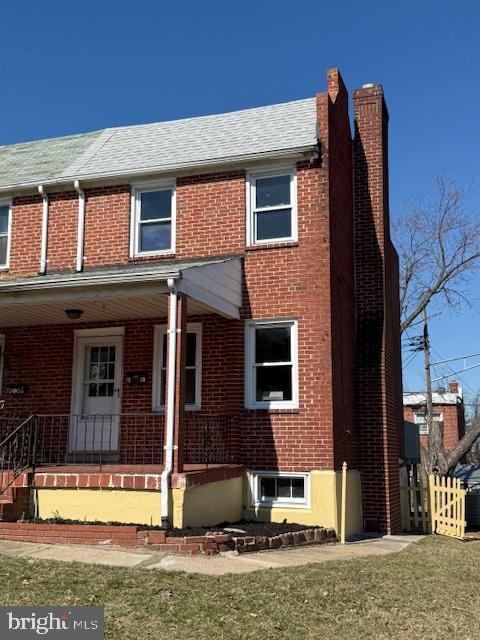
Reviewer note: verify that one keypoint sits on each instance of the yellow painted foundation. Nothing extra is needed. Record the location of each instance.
(325, 504)
(103, 505)
(208, 504)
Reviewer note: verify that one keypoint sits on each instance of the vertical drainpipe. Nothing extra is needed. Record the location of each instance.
(43, 251)
(170, 404)
(80, 225)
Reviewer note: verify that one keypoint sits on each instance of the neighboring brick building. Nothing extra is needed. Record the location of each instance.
(448, 409)
(261, 238)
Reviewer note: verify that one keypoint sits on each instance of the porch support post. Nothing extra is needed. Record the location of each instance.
(180, 381)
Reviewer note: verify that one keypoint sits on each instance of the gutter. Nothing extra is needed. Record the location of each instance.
(80, 225)
(170, 404)
(43, 250)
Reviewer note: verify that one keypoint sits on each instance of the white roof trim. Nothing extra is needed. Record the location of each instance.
(216, 283)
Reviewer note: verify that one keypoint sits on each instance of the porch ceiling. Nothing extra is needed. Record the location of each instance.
(122, 293)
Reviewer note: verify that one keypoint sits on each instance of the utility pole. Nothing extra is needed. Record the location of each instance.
(436, 456)
(428, 377)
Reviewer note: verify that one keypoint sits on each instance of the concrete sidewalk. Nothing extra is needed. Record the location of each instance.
(214, 565)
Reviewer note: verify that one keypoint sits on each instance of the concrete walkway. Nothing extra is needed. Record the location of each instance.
(215, 565)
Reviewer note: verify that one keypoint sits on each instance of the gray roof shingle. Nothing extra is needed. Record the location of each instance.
(162, 146)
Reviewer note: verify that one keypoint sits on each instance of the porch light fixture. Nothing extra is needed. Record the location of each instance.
(74, 314)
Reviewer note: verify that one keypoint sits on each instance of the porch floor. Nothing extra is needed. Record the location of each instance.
(114, 476)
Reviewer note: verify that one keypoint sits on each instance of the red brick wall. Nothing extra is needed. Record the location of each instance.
(311, 280)
(378, 361)
(453, 423)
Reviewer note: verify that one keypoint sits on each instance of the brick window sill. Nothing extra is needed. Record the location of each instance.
(272, 245)
(274, 411)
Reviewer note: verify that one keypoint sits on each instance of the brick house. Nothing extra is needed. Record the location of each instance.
(448, 409)
(199, 319)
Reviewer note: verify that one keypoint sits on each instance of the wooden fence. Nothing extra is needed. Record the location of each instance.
(440, 508)
(447, 504)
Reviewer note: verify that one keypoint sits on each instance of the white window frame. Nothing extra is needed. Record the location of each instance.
(250, 365)
(137, 190)
(159, 331)
(251, 181)
(294, 503)
(420, 418)
(7, 203)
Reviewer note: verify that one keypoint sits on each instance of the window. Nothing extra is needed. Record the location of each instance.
(153, 220)
(193, 373)
(273, 488)
(420, 418)
(5, 222)
(272, 207)
(271, 379)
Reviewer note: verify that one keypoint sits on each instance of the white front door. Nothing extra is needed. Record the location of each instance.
(96, 402)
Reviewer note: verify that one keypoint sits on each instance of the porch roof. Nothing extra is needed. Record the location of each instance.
(123, 292)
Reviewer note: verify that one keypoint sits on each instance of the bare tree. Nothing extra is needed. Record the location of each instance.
(438, 241)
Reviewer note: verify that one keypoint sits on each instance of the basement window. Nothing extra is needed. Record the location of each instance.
(153, 220)
(271, 380)
(272, 207)
(420, 418)
(271, 488)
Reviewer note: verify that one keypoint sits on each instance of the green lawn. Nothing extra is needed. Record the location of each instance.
(428, 591)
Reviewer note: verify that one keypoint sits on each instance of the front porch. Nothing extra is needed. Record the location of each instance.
(128, 389)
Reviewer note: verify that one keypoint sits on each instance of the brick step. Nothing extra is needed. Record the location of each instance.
(14, 503)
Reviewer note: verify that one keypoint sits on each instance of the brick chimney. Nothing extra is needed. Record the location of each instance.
(377, 353)
(453, 386)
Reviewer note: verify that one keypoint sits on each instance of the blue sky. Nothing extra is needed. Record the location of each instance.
(72, 67)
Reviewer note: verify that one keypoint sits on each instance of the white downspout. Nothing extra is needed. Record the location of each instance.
(43, 251)
(170, 404)
(80, 225)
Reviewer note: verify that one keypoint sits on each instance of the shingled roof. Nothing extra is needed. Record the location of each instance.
(162, 146)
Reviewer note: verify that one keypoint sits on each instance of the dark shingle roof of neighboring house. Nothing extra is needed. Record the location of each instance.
(162, 146)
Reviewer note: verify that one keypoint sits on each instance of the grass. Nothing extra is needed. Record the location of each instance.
(428, 591)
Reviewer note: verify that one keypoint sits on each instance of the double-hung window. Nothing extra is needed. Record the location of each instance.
(420, 418)
(5, 224)
(272, 207)
(193, 368)
(153, 220)
(271, 379)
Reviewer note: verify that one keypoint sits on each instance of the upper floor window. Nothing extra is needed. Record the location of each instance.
(271, 364)
(153, 220)
(420, 418)
(5, 216)
(272, 206)
(193, 367)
